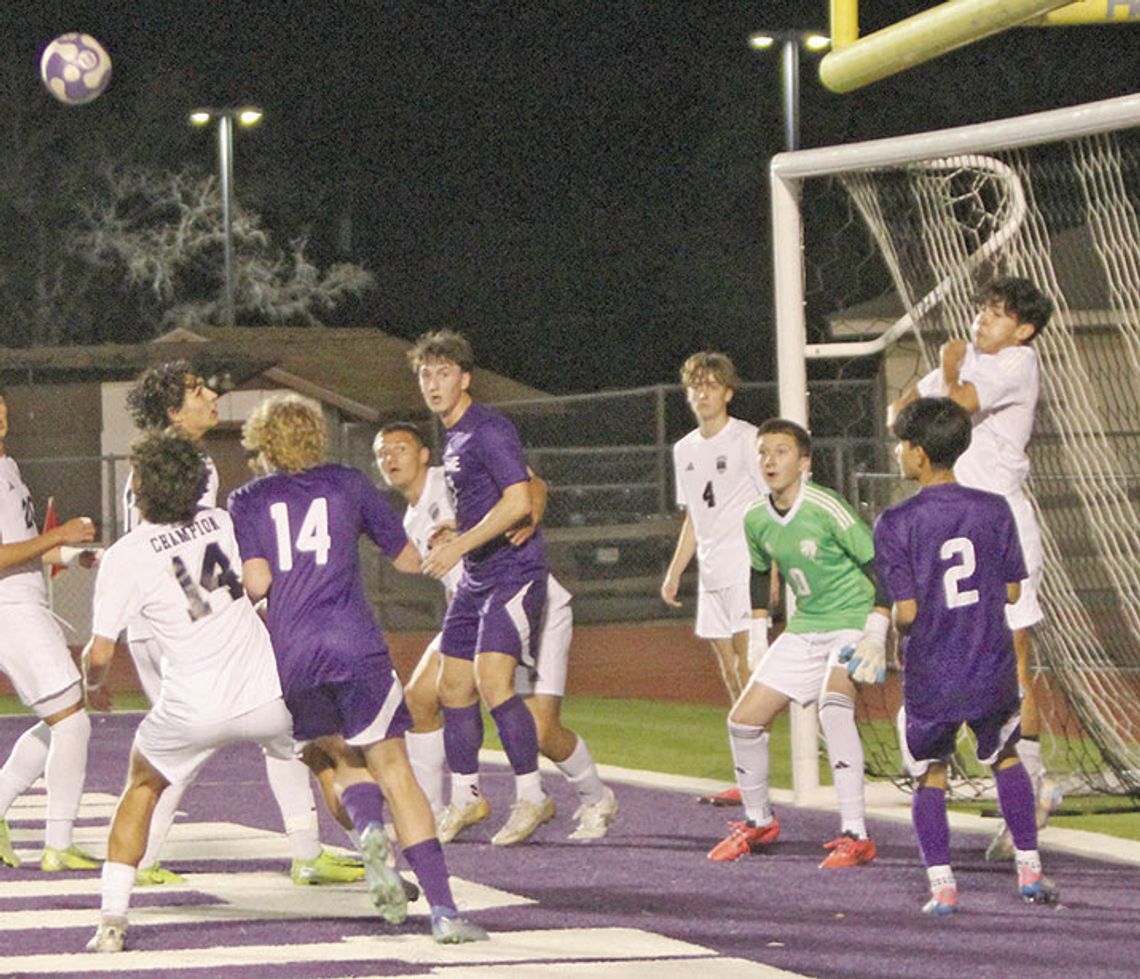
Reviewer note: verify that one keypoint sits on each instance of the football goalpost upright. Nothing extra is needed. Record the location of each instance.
(1053, 197)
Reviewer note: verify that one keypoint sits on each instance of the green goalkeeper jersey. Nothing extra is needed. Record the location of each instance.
(818, 546)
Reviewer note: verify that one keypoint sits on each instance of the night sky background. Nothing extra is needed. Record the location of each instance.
(580, 186)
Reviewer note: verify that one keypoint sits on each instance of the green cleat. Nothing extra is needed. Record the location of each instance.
(72, 858)
(156, 874)
(7, 854)
(325, 868)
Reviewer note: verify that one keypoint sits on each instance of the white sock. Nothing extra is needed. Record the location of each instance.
(464, 789)
(429, 762)
(582, 773)
(24, 765)
(289, 780)
(1030, 754)
(1027, 860)
(161, 819)
(118, 880)
(529, 787)
(64, 772)
(941, 876)
(845, 755)
(750, 756)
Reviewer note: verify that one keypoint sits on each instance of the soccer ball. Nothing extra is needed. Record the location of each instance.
(75, 68)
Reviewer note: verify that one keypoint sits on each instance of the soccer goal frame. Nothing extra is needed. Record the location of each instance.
(788, 173)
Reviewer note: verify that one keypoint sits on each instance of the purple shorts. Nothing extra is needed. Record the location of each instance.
(504, 617)
(928, 741)
(368, 708)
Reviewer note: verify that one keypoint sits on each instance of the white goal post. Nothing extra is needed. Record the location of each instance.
(981, 203)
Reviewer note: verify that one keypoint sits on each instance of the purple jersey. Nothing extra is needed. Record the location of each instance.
(952, 550)
(306, 525)
(482, 456)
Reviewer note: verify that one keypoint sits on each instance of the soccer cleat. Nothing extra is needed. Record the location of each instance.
(325, 868)
(525, 818)
(342, 859)
(942, 901)
(72, 858)
(110, 936)
(156, 874)
(728, 797)
(385, 886)
(1001, 846)
(1033, 887)
(7, 854)
(448, 928)
(848, 851)
(595, 819)
(457, 818)
(744, 838)
(411, 889)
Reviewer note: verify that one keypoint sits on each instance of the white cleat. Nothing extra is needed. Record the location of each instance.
(110, 936)
(524, 819)
(594, 820)
(385, 886)
(456, 818)
(448, 928)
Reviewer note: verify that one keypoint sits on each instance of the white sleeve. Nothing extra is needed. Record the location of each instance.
(1001, 380)
(931, 385)
(115, 599)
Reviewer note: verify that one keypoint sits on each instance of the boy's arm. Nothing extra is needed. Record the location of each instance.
(514, 505)
(760, 585)
(965, 394)
(682, 555)
(539, 492)
(906, 612)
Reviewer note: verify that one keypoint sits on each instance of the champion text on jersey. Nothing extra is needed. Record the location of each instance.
(180, 535)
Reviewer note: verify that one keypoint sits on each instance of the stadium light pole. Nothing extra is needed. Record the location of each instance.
(789, 42)
(805, 725)
(245, 116)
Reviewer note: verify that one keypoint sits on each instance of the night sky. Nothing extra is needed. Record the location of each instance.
(580, 186)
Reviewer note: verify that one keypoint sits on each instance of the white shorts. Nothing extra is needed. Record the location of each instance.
(1026, 611)
(797, 664)
(147, 656)
(724, 612)
(548, 676)
(178, 749)
(35, 657)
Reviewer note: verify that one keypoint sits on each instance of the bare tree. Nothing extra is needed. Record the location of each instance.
(164, 233)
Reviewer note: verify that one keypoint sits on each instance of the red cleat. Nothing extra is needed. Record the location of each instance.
(744, 838)
(729, 797)
(847, 851)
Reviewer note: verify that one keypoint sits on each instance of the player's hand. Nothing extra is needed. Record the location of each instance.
(521, 534)
(866, 661)
(443, 556)
(442, 532)
(98, 698)
(85, 557)
(669, 592)
(757, 642)
(952, 354)
(77, 530)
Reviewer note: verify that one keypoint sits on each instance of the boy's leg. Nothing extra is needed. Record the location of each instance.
(845, 755)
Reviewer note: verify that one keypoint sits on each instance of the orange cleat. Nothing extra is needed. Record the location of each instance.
(847, 851)
(744, 838)
(729, 797)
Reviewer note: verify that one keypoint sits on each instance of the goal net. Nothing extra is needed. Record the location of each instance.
(880, 248)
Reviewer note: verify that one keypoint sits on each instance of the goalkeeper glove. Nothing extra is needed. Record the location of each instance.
(867, 659)
(757, 641)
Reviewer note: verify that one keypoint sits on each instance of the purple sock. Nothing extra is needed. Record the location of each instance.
(928, 811)
(518, 734)
(462, 738)
(1018, 807)
(427, 863)
(364, 803)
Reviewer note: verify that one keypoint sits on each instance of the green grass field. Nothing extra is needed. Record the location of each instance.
(686, 739)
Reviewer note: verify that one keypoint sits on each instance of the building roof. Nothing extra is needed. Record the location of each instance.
(362, 372)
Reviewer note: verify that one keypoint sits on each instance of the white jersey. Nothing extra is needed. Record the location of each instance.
(435, 507)
(137, 628)
(184, 581)
(717, 480)
(25, 582)
(1007, 384)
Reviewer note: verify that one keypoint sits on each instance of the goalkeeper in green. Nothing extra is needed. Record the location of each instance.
(837, 635)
